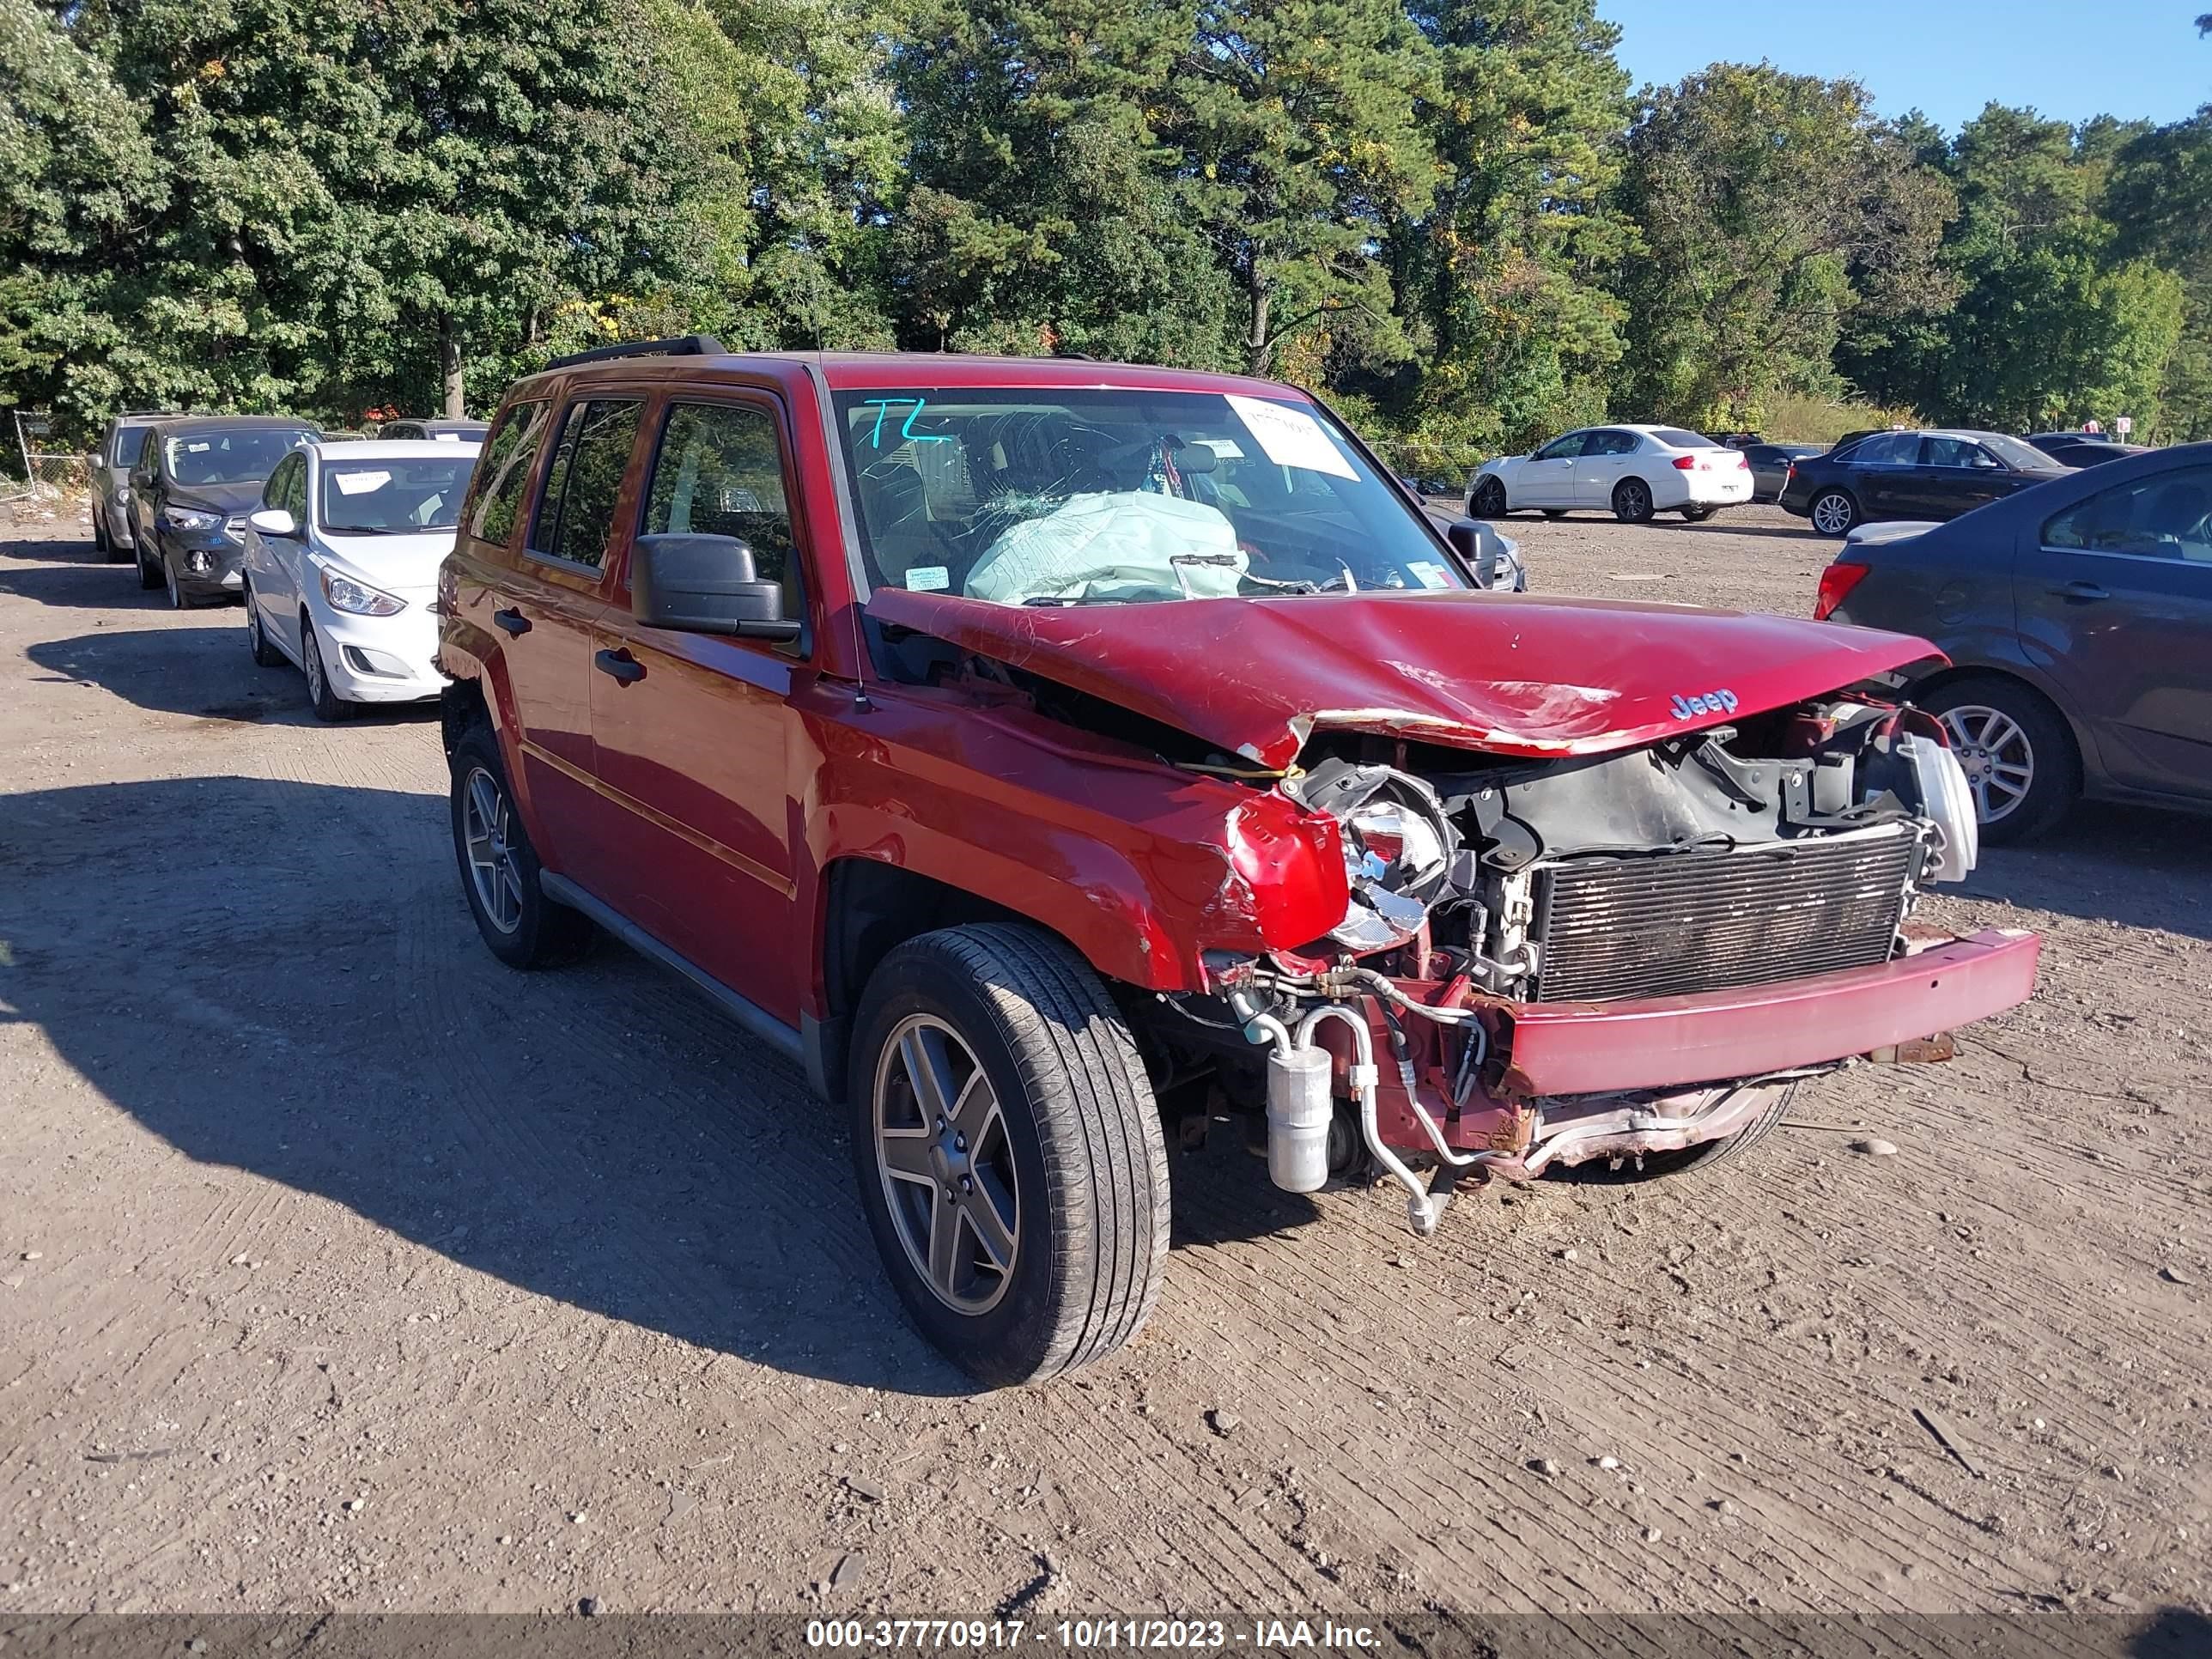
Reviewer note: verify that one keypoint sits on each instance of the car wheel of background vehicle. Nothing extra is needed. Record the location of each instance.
(1555, 512)
(2018, 754)
(256, 637)
(1705, 1155)
(1833, 512)
(148, 575)
(1489, 500)
(1009, 1152)
(499, 867)
(1698, 514)
(178, 599)
(1632, 501)
(328, 704)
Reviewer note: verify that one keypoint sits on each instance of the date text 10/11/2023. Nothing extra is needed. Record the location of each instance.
(1190, 1635)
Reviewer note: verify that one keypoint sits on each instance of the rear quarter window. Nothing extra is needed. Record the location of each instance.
(1676, 437)
(503, 477)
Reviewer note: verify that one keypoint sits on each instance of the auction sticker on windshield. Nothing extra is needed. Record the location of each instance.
(1291, 437)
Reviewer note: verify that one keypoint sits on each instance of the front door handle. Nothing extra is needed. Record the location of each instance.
(2081, 591)
(512, 621)
(620, 666)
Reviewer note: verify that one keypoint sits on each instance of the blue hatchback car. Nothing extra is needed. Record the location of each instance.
(2077, 615)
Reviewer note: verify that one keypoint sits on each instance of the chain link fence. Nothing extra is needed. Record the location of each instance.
(48, 475)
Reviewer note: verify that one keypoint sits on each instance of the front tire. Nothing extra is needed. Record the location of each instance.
(499, 868)
(2019, 756)
(1698, 514)
(1489, 500)
(1833, 512)
(149, 577)
(1009, 1152)
(1705, 1155)
(178, 599)
(327, 704)
(1632, 501)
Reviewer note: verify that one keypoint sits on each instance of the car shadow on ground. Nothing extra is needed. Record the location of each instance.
(283, 978)
(205, 671)
(2132, 865)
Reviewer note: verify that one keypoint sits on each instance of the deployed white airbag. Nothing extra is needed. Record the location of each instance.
(1113, 545)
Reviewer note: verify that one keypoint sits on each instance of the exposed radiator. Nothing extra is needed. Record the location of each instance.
(1703, 921)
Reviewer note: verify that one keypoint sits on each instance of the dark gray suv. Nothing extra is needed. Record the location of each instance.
(2077, 616)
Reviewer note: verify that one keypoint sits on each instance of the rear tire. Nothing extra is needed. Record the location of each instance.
(1632, 501)
(1067, 1170)
(265, 655)
(1833, 512)
(1488, 500)
(499, 868)
(2000, 727)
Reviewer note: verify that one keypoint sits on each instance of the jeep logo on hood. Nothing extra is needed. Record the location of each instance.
(1721, 701)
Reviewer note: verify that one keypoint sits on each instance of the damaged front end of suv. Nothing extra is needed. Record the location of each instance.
(1607, 910)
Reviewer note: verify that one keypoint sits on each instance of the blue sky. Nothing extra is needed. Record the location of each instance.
(2069, 59)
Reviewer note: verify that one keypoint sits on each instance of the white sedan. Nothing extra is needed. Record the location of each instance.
(1631, 472)
(342, 563)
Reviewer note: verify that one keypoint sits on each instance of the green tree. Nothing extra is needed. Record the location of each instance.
(78, 176)
(1504, 282)
(1300, 127)
(2055, 322)
(2160, 200)
(1047, 210)
(1772, 205)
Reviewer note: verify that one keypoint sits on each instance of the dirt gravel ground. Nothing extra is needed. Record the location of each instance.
(340, 1267)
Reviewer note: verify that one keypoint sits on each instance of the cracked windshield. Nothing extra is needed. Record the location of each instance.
(1084, 497)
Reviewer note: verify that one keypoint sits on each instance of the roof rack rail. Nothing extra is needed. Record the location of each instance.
(684, 345)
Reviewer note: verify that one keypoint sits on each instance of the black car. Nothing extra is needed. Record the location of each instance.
(1770, 465)
(2077, 617)
(2078, 450)
(456, 431)
(1913, 475)
(193, 483)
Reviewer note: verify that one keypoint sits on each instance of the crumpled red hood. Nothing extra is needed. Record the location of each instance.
(1508, 674)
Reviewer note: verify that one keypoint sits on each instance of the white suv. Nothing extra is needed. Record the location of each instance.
(1631, 472)
(342, 565)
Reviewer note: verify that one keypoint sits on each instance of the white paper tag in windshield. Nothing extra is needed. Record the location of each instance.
(445, 437)
(928, 578)
(1291, 437)
(1430, 573)
(361, 484)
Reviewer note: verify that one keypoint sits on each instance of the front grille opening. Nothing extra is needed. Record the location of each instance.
(1665, 923)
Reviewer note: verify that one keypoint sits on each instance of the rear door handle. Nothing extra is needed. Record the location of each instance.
(621, 666)
(2080, 590)
(512, 621)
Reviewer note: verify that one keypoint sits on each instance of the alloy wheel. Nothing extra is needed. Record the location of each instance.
(311, 650)
(1995, 756)
(1635, 500)
(1831, 514)
(946, 1164)
(488, 827)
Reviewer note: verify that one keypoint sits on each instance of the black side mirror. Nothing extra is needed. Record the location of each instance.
(704, 585)
(1468, 540)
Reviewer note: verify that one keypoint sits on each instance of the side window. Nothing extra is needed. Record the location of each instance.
(1957, 451)
(503, 476)
(1561, 449)
(1888, 449)
(1611, 443)
(295, 491)
(272, 492)
(2168, 515)
(719, 472)
(146, 455)
(576, 514)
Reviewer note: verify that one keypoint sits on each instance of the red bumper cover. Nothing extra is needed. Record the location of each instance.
(1598, 1048)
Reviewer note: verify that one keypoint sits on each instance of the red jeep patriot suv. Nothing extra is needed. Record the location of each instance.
(1039, 752)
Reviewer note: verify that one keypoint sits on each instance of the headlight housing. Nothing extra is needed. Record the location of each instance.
(358, 598)
(189, 518)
